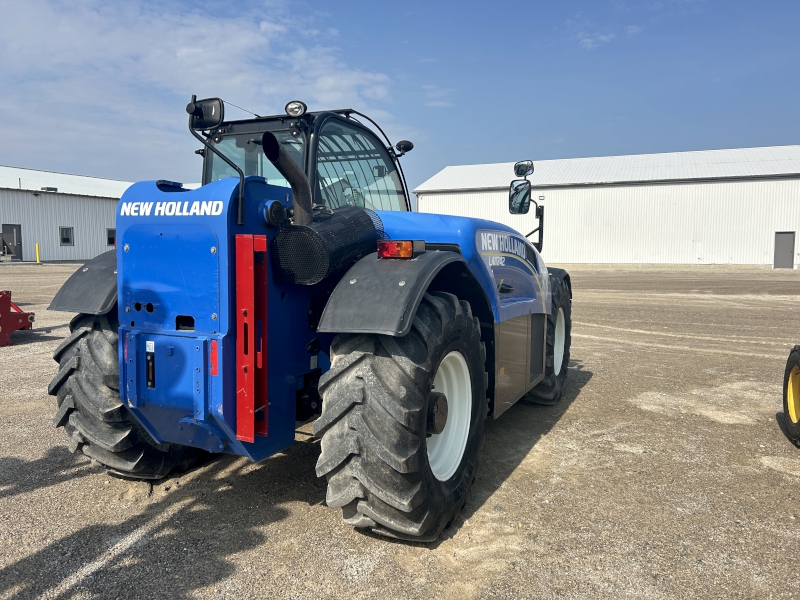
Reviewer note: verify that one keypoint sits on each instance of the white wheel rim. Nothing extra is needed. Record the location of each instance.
(558, 342)
(446, 449)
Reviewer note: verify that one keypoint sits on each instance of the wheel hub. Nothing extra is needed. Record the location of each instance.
(453, 384)
(793, 394)
(437, 413)
(558, 341)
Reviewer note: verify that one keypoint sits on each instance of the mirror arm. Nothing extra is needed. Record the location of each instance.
(538, 243)
(540, 214)
(240, 215)
(532, 232)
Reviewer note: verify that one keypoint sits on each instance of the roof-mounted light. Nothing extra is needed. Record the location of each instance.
(295, 108)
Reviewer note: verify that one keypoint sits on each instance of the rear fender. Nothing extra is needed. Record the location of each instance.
(382, 295)
(92, 289)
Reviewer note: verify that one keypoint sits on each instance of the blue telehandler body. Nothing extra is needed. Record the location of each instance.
(296, 284)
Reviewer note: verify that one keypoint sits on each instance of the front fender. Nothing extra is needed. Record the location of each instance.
(382, 295)
(92, 289)
(563, 275)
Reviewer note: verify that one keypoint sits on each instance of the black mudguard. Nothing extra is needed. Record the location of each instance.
(382, 295)
(92, 289)
(563, 275)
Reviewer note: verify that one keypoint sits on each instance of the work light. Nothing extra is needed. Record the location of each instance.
(295, 108)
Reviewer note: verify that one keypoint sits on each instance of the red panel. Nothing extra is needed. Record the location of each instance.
(251, 337)
(213, 359)
(245, 338)
(260, 275)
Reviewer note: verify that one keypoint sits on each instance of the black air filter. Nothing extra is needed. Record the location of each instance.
(307, 254)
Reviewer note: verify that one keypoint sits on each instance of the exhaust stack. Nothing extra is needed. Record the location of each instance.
(301, 189)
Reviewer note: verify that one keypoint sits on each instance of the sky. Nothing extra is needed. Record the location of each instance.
(99, 88)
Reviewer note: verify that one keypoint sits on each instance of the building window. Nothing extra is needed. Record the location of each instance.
(111, 237)
(65, 233)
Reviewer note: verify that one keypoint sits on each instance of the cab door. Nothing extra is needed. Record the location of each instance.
(352, 168)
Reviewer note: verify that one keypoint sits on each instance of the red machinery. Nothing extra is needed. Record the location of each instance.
(12, 318)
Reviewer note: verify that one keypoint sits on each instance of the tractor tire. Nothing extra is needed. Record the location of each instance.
(791, 395)
(90, 410)
(559, 339)
(386, 467)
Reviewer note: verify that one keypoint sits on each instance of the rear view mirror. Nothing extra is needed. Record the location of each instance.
(519, 197)
(404, 146)
(523, 168)
(205, 114)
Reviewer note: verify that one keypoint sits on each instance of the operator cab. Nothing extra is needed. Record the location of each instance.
(345, 162)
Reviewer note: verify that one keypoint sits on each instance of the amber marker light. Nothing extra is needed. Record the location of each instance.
(393, 249)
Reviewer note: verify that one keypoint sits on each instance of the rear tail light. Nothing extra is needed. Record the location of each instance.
(400, 249)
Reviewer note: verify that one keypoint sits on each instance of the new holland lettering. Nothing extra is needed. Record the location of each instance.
(497, 242)
(135, 209)
(211, 208)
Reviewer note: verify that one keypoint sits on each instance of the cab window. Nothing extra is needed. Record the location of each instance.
(354, 169)
(244, 150)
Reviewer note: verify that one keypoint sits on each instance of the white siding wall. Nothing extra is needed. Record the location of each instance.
(726, 222)
(42, 215)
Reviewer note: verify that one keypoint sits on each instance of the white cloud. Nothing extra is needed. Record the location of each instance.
(271, 28)
(99, 88)
(436, 96)
(593, 41)
(633, 29)
(581, 29)
(669, 6)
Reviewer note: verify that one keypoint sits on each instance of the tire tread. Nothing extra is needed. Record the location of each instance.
(551, 387)
(374, 399)
(90, 410)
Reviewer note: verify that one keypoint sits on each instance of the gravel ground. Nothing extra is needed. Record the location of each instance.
(663, 473)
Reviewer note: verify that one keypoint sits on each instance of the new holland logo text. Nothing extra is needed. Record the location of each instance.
(171, 209)
(495, 242)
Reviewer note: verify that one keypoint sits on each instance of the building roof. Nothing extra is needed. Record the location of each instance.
(30, 179)
(772, 161)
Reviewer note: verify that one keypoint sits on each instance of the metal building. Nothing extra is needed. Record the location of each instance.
(739, 206)
(71, 217)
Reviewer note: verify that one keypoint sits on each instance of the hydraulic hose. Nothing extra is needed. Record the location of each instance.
(301, 189)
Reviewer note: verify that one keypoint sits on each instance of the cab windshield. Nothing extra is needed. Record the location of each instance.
(245, 151)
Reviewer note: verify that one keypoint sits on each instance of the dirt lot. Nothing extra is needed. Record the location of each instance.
(663, 473)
